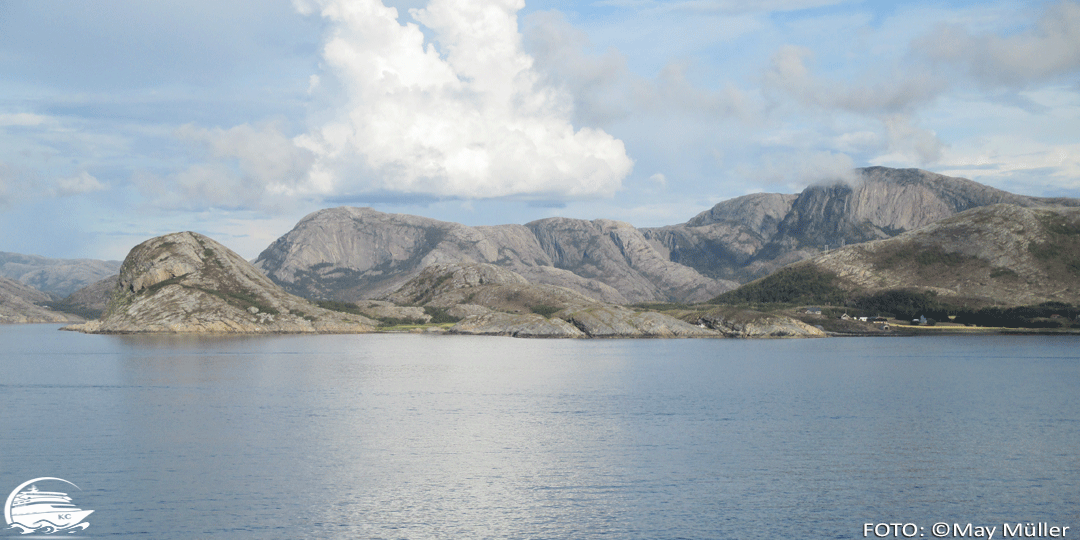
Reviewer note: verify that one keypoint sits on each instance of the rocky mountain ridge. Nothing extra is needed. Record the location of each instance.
(751, 236)
(56, 277)
(20, 303)
(359, 253)
(188, 283)
(491, 300)
(1002, 254)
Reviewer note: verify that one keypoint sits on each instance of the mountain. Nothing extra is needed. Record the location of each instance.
(751, 236)
(57, 277)
(997, 255)
(351, 254)
(491, 300)
(90, 301)
(358, 253)
(20, 303)
(187, 283)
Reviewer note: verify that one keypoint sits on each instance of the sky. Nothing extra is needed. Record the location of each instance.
(122, 120)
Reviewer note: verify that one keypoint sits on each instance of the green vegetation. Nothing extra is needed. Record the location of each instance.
(241, 298)
(1045, 315)
(922, 256)
(800, 284)
(1061, 252)
(1003, 273)
(162, 284)
(545, 311)
(344, 307)
(439, 315)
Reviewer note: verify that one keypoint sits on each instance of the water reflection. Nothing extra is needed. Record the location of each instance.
(400, 436)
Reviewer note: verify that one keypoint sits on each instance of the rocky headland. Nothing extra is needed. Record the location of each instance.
(187, 283)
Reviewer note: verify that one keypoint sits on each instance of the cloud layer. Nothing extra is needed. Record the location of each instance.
(461, 115)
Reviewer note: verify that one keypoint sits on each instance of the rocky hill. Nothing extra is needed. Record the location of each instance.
(490, 300)
(188, 283)
(20, 303)
(56, 277)
(998, 255)
(751, 236)
(358, 253)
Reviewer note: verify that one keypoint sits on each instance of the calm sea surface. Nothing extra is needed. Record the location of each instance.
(409, 436)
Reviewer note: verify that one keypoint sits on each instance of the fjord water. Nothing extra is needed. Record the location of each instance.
(410, 436)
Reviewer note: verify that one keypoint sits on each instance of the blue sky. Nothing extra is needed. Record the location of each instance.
(123, 120)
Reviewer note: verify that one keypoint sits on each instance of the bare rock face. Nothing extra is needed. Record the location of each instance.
(516, 325)
(20, 303)
(752, 236)
(454, 285)
(57, 277)
(618, 321)
(1004, 254)
(749, 324)
(188, 283)
(358, 253)
(90, 301)
(495, 301)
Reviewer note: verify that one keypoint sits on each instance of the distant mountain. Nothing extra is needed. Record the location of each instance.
(188, 283)
(491, 300)
(998, 255)
(20, 303)
(751, 236)
(57, 277)
(359, 253)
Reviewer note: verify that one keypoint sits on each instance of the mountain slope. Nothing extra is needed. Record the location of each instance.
(188, 283)
(58, 277)
(1000, 255)
(20, 303)
(358, 253)
(751, 236)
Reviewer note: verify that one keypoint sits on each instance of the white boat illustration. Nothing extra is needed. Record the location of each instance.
(46, 511)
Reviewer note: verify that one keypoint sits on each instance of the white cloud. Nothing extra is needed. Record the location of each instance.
(240, 167)
(1045, 51)
(468, 118)
(22, 119)
(909, 143)
(81, 183)
(790, 76)
(798, 169)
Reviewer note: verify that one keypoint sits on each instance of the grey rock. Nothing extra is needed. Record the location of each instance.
(618, 321)
(358, 253)
(752, 236)
(20, 303)
(752, 324)
(90, 301)
(57, 277)
(515, 325)
(188, 283)
(1002, 254)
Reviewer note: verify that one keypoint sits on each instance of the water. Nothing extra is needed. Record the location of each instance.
(408, 436)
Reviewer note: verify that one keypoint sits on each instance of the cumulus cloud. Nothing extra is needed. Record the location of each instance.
(909, 143)
(789, 75)
(1046, 51)
(241, 167)
(605, 90)
(464, 115)
(81, 183)
(798, 169)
